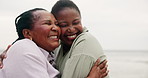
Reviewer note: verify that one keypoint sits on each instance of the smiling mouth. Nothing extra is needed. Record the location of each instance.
(71, 37)
(53, 37)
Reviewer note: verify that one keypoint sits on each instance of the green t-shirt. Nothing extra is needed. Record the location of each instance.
(84, 51)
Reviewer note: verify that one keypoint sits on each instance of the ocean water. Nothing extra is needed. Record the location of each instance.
(128, 64)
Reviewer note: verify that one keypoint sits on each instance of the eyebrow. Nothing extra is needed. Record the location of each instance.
(46, 21)
(76, 19)
(62, 22)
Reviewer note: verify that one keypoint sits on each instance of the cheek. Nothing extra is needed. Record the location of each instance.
(80, 28)
(37, 36)
(59, 30)
(63, 30)
(38, 32)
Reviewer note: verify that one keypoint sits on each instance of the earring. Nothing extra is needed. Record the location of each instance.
(30, 38)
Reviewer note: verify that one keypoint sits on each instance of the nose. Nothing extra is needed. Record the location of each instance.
(55, 28)
(71, 29)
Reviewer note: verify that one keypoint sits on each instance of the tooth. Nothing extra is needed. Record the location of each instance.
(72, 36)
(53, 37)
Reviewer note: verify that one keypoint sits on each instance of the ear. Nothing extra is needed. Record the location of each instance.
(27, 34)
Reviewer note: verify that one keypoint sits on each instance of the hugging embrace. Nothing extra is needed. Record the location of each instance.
(53, 45)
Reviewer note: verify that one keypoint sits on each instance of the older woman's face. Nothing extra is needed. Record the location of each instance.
(45, 33)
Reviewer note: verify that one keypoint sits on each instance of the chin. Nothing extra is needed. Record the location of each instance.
(56, 46)
(68, 44)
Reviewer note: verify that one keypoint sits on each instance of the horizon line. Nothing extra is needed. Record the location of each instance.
(126, 50)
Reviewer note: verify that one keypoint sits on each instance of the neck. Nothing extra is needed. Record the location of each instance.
(66, 48)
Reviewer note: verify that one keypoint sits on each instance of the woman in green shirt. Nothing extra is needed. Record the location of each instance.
(79, 49)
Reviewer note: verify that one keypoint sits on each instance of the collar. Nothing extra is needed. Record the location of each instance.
(46, 53)
(85, 30)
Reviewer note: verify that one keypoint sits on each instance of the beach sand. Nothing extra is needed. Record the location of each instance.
(128, 64)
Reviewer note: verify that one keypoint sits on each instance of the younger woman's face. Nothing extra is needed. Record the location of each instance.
(70, 23)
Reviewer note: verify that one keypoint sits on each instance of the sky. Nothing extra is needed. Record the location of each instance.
(117, 24)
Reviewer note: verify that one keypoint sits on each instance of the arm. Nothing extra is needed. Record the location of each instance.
(98, 70)
(82, 68)
(3, 56)
(78, 67)
(84, 53)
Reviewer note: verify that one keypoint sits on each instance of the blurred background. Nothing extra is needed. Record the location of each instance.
(121, 27)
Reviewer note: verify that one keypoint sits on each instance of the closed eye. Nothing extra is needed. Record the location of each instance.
(48, 23)
(76, 22)
(62, 24)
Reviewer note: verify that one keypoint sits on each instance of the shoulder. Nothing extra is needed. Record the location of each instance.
(25, 51)
(24, 43)
(23, 47)
(86, 41)
(87, 37)
(87, 44)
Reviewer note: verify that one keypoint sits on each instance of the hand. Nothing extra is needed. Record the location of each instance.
(103, 69)
(98, 71)
(3, 56)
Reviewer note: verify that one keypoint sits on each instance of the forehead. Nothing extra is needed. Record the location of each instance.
(43, 15)
(67, 13)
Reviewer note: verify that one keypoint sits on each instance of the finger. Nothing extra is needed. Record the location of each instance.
(3, 55)
(97, 62)
(1, 61)
(1, 64)
(8, 47)
(104, 69)
(105, 74)
(98, 69)
(103, 64)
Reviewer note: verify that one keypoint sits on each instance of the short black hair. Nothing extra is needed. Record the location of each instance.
(25, 21)
(61, 4)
